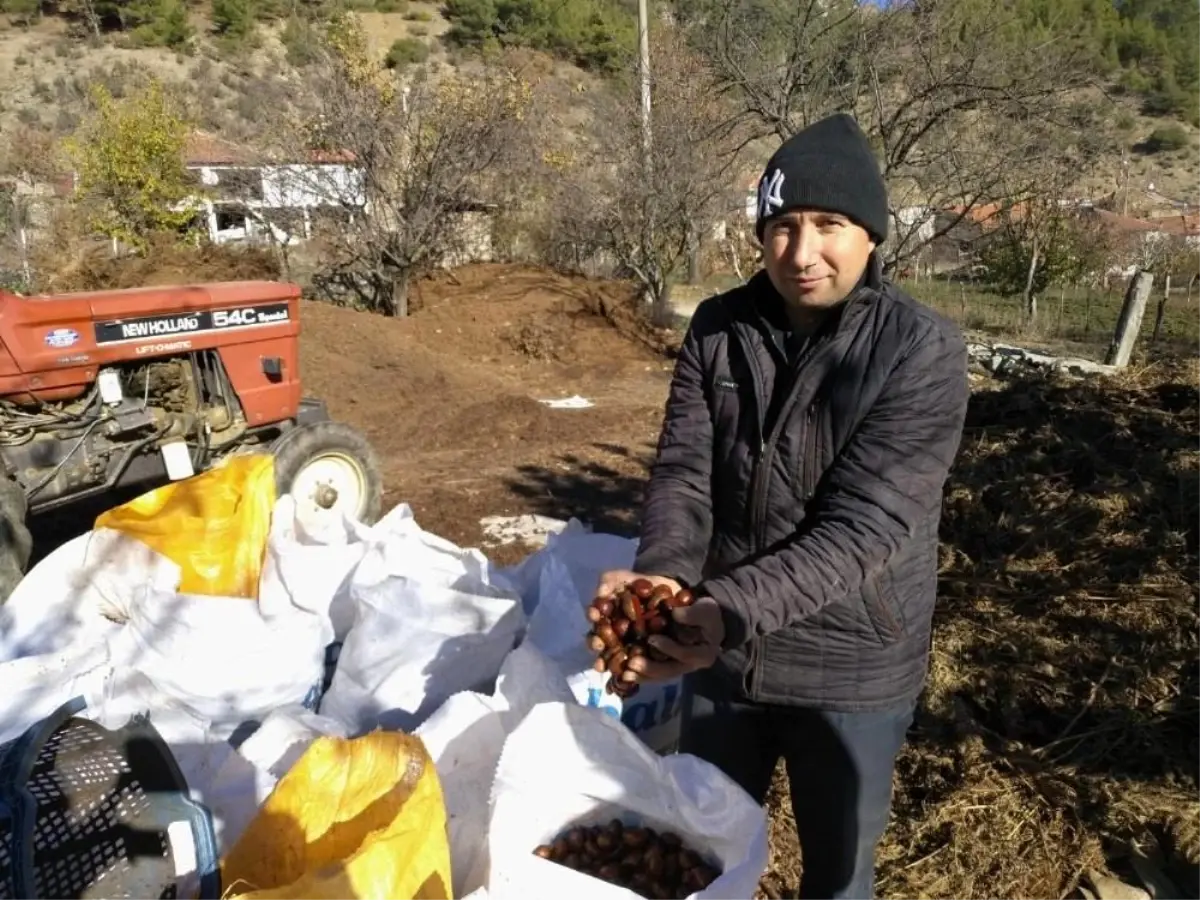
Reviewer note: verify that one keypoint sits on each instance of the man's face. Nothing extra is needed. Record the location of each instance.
(814, 258)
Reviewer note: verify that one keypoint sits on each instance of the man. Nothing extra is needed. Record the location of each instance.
(813, 416)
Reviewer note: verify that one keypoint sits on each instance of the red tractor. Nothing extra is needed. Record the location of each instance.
(109, 390)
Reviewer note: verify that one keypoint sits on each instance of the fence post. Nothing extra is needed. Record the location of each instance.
(1129, 324)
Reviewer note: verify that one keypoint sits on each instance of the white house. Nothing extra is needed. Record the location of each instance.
(249, 194)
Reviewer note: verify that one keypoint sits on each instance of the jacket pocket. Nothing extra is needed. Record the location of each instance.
(883, 608)
(807, 471)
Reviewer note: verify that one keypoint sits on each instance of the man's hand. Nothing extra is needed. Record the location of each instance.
(700, 631)
(614, 580)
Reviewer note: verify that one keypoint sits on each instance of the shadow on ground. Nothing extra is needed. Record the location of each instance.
(606, 497)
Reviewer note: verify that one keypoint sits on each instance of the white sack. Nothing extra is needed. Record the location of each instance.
(219, 657)
(568, 765)
(33, 687)
(464, 738)
(431, 620)
(78, 594)
(569, 573)
(309, 562)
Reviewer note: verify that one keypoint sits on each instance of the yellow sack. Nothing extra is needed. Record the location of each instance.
(361, 818)
(213, 526)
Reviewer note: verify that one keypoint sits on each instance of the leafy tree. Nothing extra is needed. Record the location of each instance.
(234, 18)
(593, 33)
(405, 52)
(130, 175)
(1166, 139)
(1038, 243)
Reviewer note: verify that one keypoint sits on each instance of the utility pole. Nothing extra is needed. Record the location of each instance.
(644, 58)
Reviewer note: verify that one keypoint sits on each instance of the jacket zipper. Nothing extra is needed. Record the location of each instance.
(766, 455)
(758, 497)
(758, 492)
(767, 445)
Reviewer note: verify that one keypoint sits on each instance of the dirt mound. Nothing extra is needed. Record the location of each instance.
(163, 263)
(539, 313)
(451, 398)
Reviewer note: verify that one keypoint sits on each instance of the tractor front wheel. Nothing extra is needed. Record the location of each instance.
(332, 466)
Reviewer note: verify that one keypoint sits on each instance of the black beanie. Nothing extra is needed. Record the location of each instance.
(828, 165)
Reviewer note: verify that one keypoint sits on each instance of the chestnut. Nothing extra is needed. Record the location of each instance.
(693, 880)
(635, 837)
(683, 598)
(545, 851)
(605, 632)
(640, 882)
(616, 658)
(631, 605)
(653, 860)
(662, 592)
(642, 587)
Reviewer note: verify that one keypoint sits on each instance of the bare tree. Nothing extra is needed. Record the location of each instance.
(956, 95)
(648, 211)
(1176, 260)
(29, 162)
(422, 153)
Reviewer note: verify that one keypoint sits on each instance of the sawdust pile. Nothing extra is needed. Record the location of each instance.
(1059, 733)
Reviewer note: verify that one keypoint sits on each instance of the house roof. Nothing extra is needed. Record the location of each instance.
(1128, 224)
(331, 157)
(1182, 225)
(988, 214)
(204, 149)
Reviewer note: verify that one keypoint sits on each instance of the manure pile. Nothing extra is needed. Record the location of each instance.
(1058, 742)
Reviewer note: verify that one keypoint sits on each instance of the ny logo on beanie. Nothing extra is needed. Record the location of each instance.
(770, 193)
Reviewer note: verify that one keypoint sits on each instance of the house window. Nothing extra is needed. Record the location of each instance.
(230, 218)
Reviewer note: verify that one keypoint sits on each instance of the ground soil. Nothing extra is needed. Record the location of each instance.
(451, 397)
(1059, 729)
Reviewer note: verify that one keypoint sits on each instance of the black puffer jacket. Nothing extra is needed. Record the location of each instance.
(818, 538)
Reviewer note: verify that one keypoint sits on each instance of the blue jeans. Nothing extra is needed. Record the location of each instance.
(839, 766)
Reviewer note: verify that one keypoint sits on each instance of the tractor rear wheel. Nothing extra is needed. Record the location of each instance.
(16, 544)
(331, 465)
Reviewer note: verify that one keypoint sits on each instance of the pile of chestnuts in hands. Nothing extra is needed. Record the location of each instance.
(654, 864)
(623, 621)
